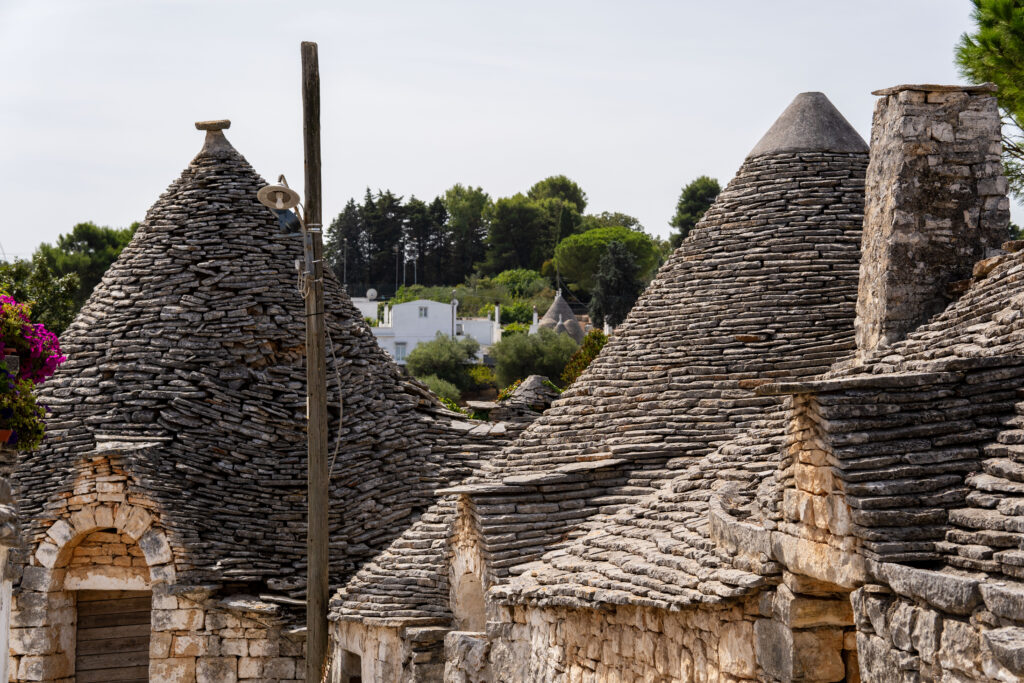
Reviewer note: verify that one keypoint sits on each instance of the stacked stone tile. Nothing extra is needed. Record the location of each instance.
(763, 288)
(406, 590)
(186, 372)
(658, 552)
(915, 444)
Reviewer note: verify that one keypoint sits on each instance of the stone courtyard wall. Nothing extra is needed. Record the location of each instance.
(966, 635)
(396, 654)
(623, 644)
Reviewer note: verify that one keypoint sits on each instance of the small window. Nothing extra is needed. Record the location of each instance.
(423, 311)
(400, 350)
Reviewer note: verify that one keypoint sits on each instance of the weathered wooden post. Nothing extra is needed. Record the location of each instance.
(316, 378)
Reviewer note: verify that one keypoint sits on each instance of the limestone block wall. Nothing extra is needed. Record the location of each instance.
(198, 641)
(391, 653)
(623, 644)
(947, 632)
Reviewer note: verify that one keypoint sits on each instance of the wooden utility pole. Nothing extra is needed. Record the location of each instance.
(316, 378)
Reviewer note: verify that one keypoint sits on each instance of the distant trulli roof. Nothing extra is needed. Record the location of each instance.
(763, 288)
(559, 313)
(187, 362)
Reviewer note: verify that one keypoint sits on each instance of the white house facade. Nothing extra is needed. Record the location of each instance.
(411, 323)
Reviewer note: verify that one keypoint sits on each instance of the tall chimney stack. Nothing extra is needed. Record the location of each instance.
(935, 204)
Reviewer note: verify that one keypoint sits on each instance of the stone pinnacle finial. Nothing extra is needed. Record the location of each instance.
(215, 142)
(811, 123)
(219, 124)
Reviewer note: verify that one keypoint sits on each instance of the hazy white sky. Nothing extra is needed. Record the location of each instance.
(630, 99)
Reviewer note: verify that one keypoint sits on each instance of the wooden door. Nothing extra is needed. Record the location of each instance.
(113, 636)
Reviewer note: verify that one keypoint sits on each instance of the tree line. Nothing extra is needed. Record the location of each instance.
(387, 243)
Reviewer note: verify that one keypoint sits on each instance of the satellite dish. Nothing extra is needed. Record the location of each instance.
(371, 294)
(278, 197)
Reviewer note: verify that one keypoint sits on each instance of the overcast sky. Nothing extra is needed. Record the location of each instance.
(630, 99)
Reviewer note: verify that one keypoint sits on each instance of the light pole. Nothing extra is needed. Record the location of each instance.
(280, 199)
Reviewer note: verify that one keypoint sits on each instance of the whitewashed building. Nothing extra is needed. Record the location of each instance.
(414, 322)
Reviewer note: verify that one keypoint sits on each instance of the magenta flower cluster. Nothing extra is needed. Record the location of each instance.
(37, 347)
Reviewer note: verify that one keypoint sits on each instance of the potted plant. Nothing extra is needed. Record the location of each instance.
(21, 418)
(29, 353)
(36, 347)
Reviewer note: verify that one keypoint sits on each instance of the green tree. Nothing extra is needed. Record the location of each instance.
(521, 355)
(610, 219)
(995, 53)
(559, 187)
(468, 208)
(521, 235)
(347, 247)
(591, 346)
(521, 283)
(617, 285)
(52, 296)
(87, 251)
(577, 256)
(446, 358)
(384, 220)
(519, 311)
(693, 202)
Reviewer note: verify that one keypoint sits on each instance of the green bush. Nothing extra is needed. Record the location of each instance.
(514, 328)
(446, 358)
(521, 282)
(591, 346)
(519, 311)
(521, 355)
(483, 377)
(446, 391)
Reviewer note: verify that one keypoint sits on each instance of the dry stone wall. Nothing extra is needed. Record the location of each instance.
(623, 644)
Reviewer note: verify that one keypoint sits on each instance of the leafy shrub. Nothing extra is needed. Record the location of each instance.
(446, 358)
(482, 376)
(591, 346)
(521, 355)
(446, 391)
(519, 311)
(514, 328)
(521, 282)
(509, 390)
(20, 413)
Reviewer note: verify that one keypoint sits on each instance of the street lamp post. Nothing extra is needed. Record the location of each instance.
(280, 199)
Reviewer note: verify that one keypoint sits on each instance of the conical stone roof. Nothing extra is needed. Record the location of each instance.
(187, 364)
(559, 317)
(764, 287)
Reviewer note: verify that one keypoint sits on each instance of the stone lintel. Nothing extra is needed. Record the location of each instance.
(931, 87)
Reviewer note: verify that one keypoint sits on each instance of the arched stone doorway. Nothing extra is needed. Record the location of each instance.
(105, 552)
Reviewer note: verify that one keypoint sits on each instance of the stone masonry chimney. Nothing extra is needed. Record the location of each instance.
(935, 204)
